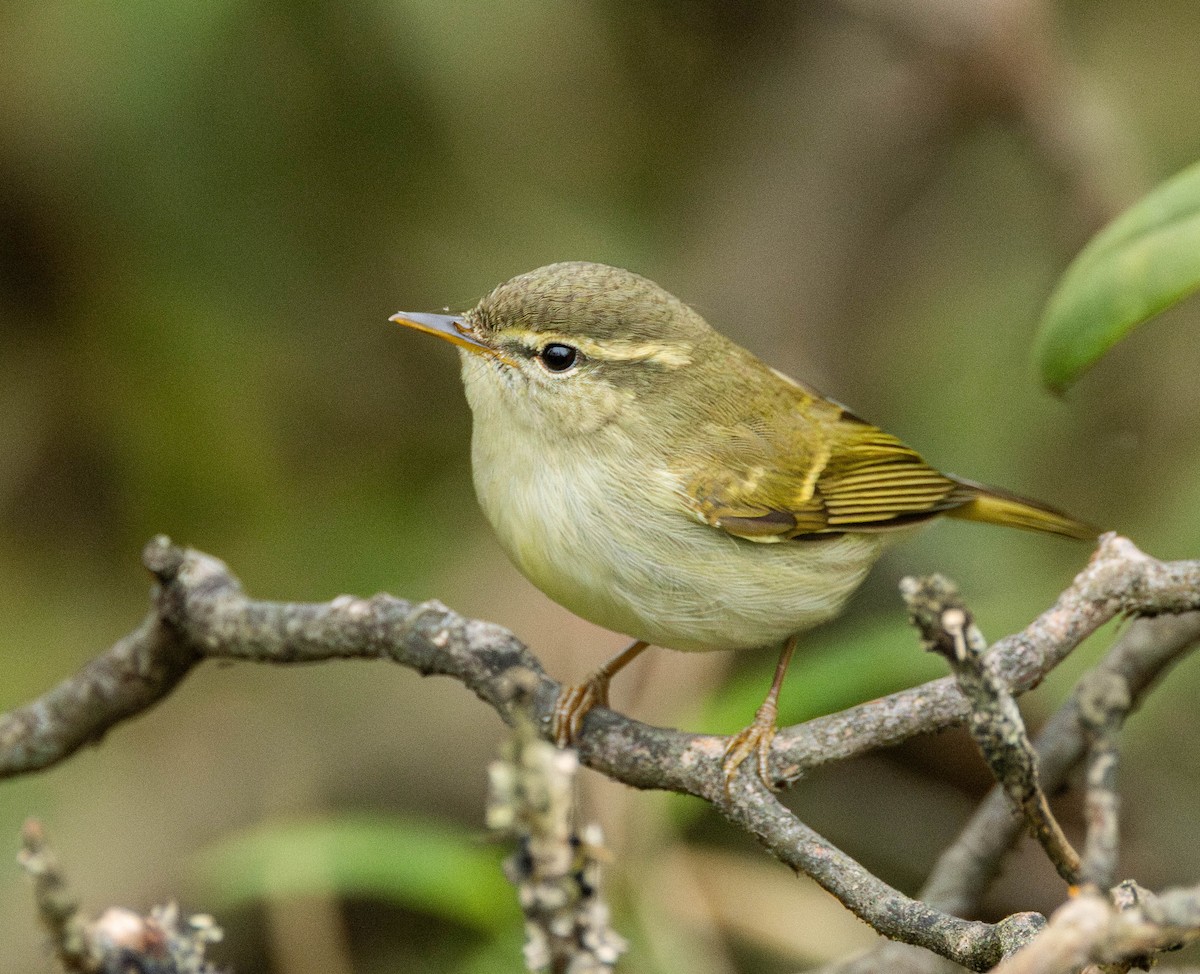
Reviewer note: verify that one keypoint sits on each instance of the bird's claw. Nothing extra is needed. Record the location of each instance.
(754, 739)
(573, 704)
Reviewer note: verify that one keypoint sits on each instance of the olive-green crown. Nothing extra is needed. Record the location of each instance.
(594, 300)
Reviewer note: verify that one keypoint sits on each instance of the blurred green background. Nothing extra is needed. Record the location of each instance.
(209, 210)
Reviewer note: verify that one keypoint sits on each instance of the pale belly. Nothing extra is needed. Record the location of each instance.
(641, 568)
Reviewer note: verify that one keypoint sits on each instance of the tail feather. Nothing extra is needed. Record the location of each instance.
(993, 506)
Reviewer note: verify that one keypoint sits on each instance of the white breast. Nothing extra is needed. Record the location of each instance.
(646, 569)
(613, 542)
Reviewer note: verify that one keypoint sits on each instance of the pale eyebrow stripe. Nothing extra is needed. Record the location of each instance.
(617, 350)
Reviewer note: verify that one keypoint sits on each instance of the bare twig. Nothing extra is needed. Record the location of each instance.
(1143, 654)
(1146, 651)
(1119, 580)
(119, 940)
(56, 907)
(1103, 701)
(947, 628)
(200, 612)
(556, 870)
(1091, 929)
(971, 943)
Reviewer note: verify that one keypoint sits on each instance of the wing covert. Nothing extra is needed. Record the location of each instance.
(830, 473)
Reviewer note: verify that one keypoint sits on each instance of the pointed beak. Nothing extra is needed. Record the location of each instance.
(450, 327)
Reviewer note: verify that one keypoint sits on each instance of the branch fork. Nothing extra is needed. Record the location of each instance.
(200, 612)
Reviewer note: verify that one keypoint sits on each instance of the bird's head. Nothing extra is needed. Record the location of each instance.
(573, 346)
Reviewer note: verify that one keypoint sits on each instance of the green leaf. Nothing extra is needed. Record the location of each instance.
(1140, 264)
(416, 864)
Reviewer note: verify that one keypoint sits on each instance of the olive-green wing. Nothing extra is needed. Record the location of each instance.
(827, 472)
(836, 474)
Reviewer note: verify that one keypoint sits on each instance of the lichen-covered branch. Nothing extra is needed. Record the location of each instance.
(557, 865)
(1144, 654)
(56, 907)
(946, 627)
(972, 943)
(1146, 651)
(199, 612)
(119, 940)
(1129, 928)
(1103, 700)
(1118, 580)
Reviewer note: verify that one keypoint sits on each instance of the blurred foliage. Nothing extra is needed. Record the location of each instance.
(418, 864)
(828, 683)
(208, 211)
(1142, 263)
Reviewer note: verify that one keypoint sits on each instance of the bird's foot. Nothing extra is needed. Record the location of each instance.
(755, 739)
(574, 703)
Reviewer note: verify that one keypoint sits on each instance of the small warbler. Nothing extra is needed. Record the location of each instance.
(659, 480)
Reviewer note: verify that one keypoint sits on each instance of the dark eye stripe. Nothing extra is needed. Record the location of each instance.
(557, 357)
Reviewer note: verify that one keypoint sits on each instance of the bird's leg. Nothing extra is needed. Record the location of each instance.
(757, 737)
(574, 702)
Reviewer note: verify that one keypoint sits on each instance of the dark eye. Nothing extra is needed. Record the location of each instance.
(557, 357)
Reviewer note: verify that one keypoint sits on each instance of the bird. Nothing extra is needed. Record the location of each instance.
(661, 481)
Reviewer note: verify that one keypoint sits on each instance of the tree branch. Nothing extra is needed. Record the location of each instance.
(947, 627)
(1144, 654)
(119, 940)
(199, 611)
(1141, 657)
(1118, 580)
(558, 864)
(1091, 929)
